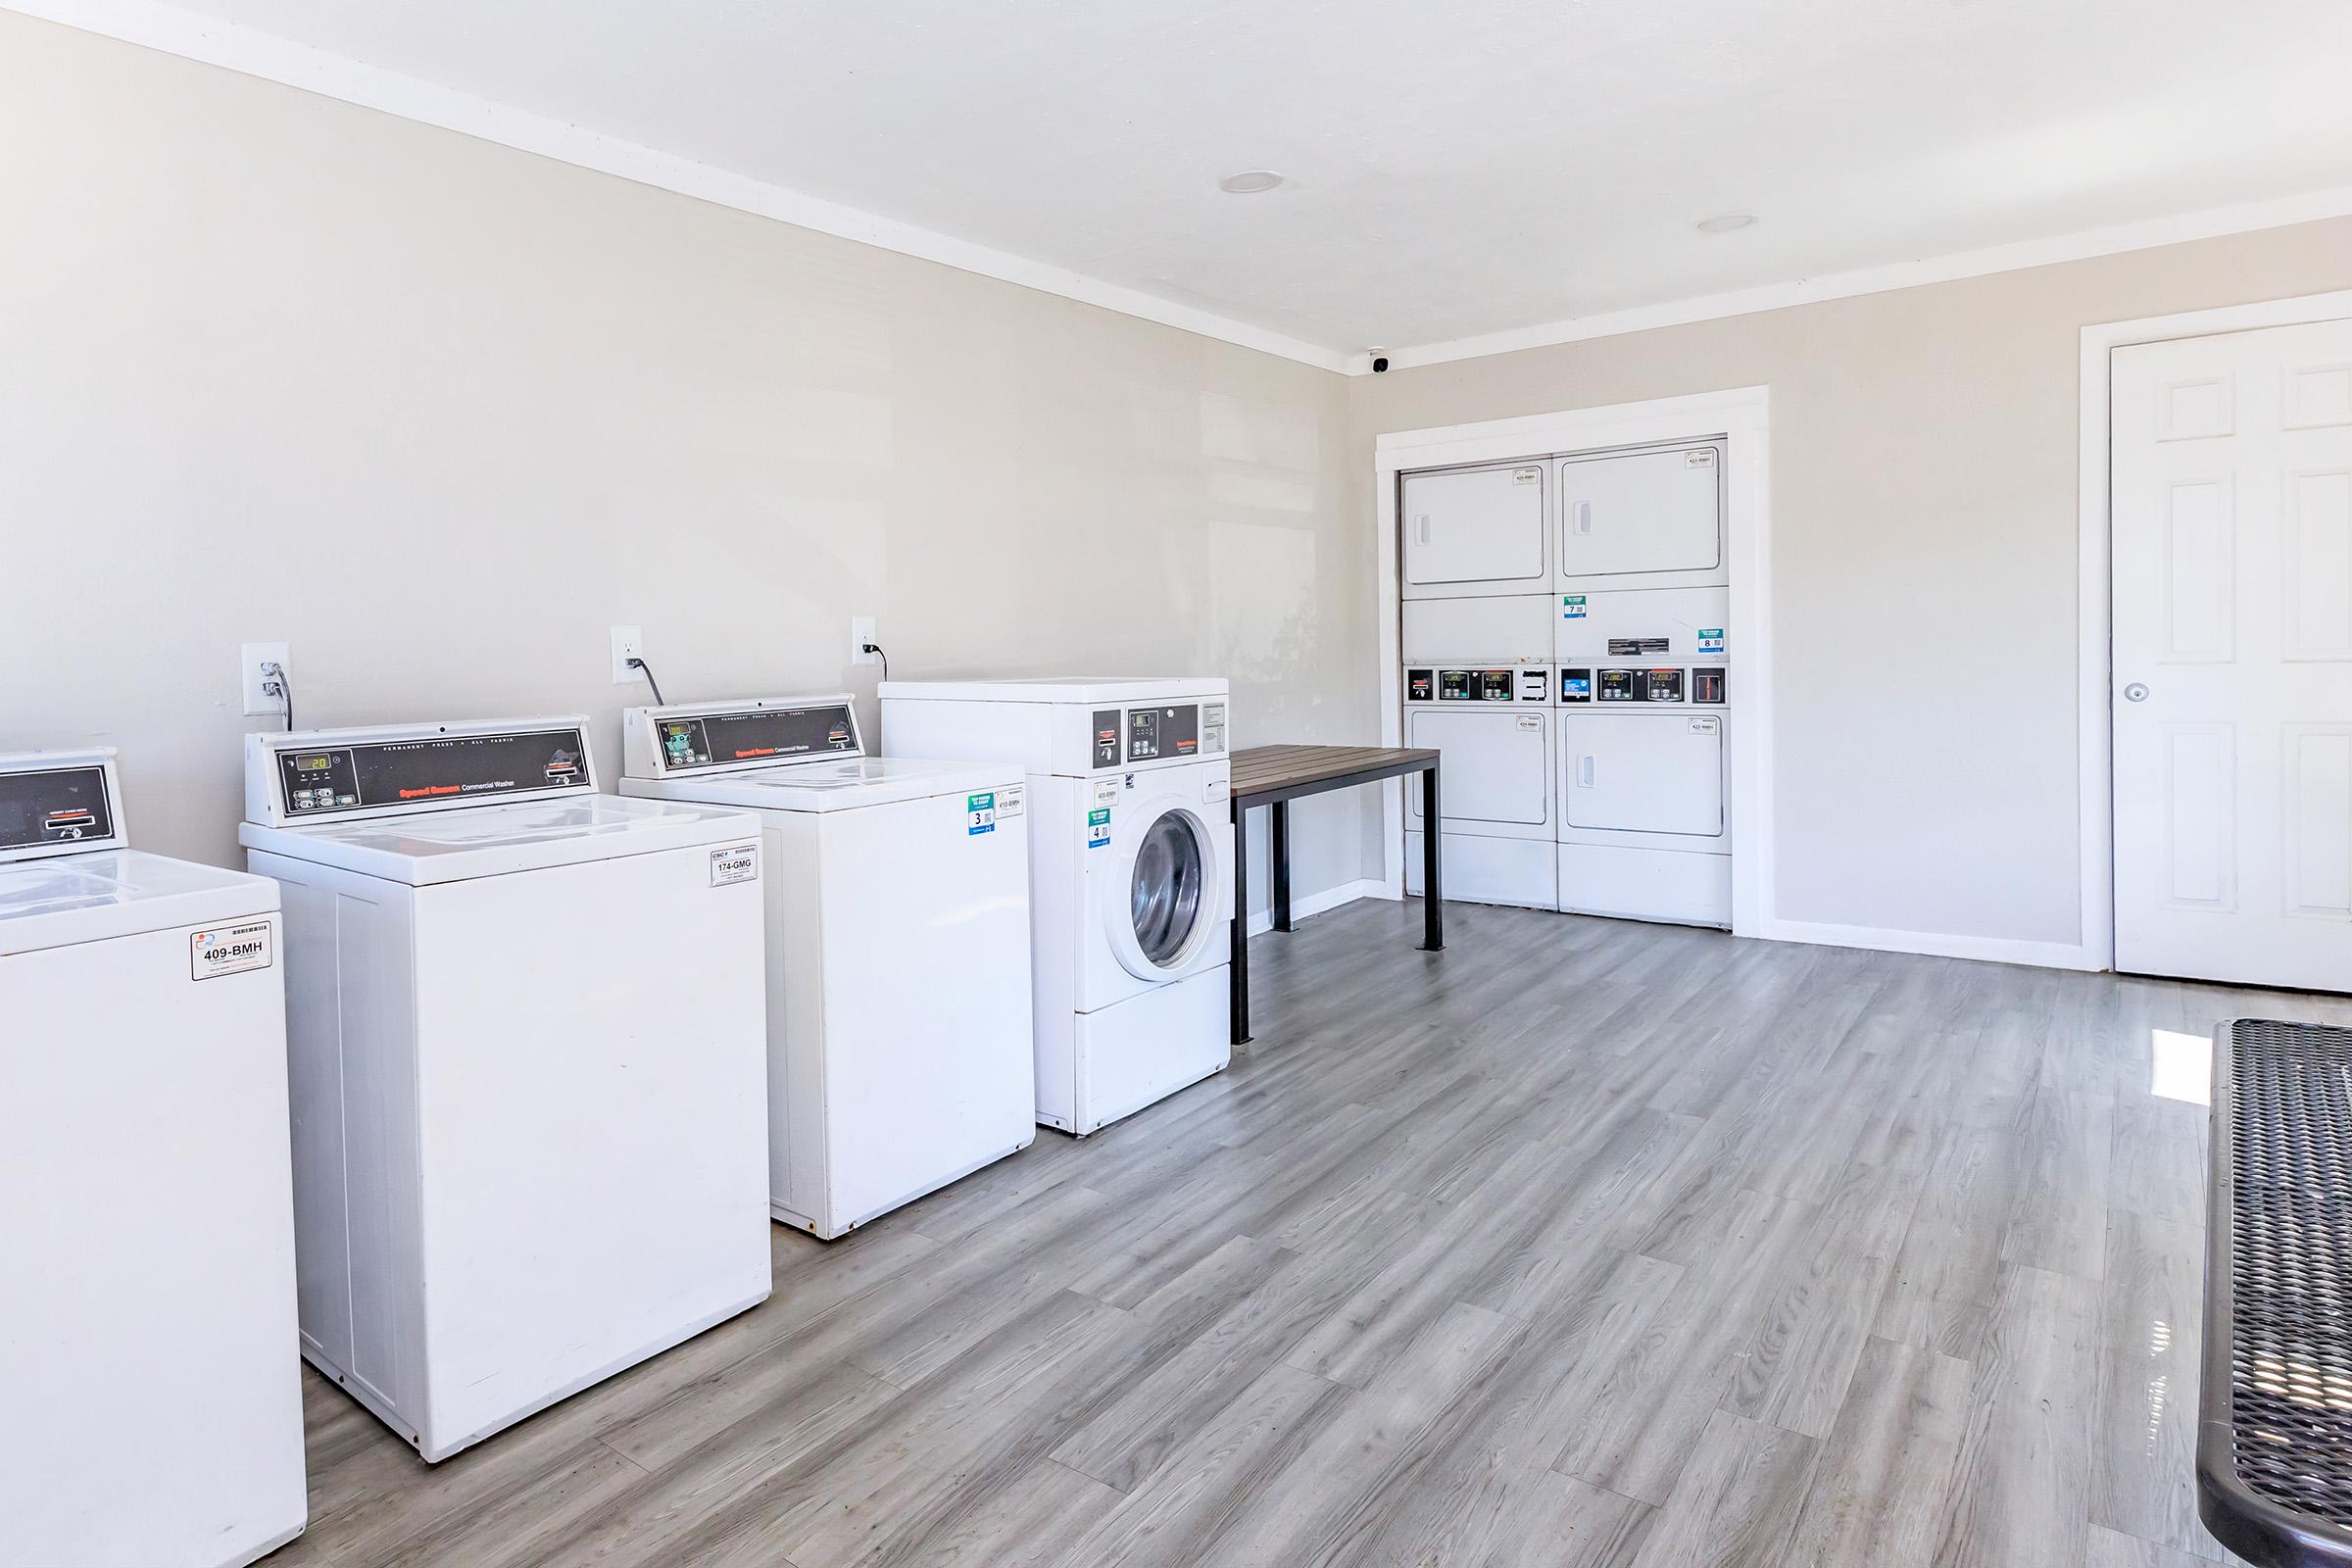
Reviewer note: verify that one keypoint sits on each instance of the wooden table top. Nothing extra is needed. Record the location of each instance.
(1264, 769)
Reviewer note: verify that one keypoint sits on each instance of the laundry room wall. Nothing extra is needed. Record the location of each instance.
(439, 413)
(1924, 538)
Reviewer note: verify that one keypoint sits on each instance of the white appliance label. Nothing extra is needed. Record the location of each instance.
(740, 863)
(1706, 726)
(1527, 476)
(1527, 721)
(1699, 459)
(1572, 607)
(231, 950)
(1107, 793)
(980, 813)
(1010, 799)
(1097, 828)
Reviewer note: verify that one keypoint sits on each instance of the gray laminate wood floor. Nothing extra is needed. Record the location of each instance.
(1582, 1242)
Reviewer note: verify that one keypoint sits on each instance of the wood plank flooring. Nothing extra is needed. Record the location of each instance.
(1582, 1243)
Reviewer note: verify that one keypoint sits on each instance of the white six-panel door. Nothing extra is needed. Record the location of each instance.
(2232, 519)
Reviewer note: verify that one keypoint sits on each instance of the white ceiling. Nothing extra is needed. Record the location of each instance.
(1455, 169)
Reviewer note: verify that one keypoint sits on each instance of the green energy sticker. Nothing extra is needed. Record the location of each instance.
(1097, 827)
(980, 813)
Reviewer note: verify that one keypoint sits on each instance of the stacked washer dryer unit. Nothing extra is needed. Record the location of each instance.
(147, 1318)
(1608, 572)
(526, 1032)
(1131, 867)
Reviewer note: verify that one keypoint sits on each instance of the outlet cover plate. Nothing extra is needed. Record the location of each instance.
(261, 696)
(628, 642)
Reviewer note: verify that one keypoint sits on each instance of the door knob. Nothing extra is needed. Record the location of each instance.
(2135, 693)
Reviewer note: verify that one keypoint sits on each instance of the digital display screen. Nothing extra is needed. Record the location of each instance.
(54, 805)
(720, 739)
(1161, 732)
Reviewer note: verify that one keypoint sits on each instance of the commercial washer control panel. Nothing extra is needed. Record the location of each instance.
(1157, 732)
(686, 742)
(1509, 683)
(56, 803)
(1699, 684)
(324, 779)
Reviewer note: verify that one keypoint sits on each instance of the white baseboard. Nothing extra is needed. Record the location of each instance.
(1308, 903)
(1934, 943)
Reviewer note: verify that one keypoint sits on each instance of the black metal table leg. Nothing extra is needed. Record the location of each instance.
(1239, 975)
(1278, 868)
(1432, 892)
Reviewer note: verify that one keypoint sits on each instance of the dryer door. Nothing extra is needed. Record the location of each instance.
(1474, 526)
(1496, 767)
(1173, 882)
(1642, 512)
(1643, 772)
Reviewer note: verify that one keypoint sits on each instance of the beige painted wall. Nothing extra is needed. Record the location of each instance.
(1923, 492)
(439, 412)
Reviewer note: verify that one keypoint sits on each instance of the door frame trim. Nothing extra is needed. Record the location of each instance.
(2093, 702)
(1743, 416)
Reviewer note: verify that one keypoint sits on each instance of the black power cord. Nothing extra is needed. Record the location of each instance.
(647, 670)
(875, 649)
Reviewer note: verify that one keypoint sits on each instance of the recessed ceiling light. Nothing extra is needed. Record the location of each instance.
(1249, 183)
(1727, 222)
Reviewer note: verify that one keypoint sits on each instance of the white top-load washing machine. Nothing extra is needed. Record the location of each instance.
(525, 1025)
(898, 962)
(147, 1294)
(1131, 887)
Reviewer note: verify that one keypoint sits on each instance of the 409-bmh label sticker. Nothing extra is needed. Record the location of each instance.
(229, 949)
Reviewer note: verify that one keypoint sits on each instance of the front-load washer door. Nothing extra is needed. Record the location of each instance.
(1165, 902)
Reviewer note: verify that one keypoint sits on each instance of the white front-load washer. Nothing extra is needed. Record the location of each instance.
(1131, 892)
(898, 964)
(147, 1302)
(528, 1041)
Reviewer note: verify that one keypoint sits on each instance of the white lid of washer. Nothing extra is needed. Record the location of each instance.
(500, 840)
(117, 893)
(832, 784)
(1105, 689)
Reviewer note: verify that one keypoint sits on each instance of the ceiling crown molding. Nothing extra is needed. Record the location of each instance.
(168, 29)
(2114, 240)
(154, 24)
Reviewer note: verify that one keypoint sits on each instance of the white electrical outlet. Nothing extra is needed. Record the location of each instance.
(861, 632)
(628, 642)
(264, 693)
